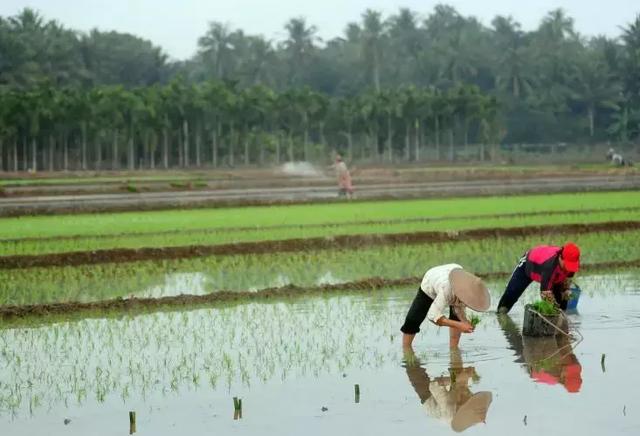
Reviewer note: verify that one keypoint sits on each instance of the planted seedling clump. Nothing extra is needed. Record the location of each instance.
(545, 307)
(540, 319)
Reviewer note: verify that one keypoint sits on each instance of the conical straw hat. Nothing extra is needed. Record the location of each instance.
(470, 289)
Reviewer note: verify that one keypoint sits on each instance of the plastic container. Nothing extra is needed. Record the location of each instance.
(572, 304)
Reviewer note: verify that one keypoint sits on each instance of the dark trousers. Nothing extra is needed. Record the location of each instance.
(418, 312)
(518, 283)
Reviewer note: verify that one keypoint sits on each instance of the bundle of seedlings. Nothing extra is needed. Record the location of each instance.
(541, 319)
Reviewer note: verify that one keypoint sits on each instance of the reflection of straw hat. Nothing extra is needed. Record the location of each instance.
(472, 412)
(470, 289)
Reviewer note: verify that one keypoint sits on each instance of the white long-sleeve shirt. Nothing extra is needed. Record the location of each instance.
(436, 285)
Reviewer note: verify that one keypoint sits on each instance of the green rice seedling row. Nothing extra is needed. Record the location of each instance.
(336, 213)
(311, 268)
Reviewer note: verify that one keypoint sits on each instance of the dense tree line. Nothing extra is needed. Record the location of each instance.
(213, 123)
(388, 88)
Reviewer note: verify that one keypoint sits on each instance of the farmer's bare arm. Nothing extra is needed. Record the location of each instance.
(464, 327)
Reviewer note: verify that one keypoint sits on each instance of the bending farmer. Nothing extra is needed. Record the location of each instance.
(446, 286)
(549, 265)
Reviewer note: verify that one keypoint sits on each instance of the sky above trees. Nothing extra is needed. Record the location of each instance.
(176, 26)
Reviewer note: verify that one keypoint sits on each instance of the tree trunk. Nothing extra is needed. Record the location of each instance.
(376, 71)
(261, 146)
(152, 151)
(290, 147)
(482, 152)
(34, 155)
(350, 144)
(375, 147)
(98, 142)
(130, 157)
(84, 146)
(367, 141)
(214, 146)
(198, 145)
(232, 135)
(389, 140)
(51, 147)
(185, 131)
(15, 155)
(180, 149)
(165, 148)
(246, 145)
(416, 126)
(146, 150)
(65, 151)
(465, 126)
(306, 138)
(451, 151)
(407, 142)
(216, 134)
(114, 157)
(437, 137)
(278, 143)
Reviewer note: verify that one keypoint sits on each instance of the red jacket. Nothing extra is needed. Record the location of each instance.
(543, 266)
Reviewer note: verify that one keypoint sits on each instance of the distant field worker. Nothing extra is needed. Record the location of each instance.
(446, 286)
(344, 178)
(549, 265)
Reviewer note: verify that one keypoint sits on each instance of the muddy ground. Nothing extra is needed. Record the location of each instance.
(278, 190)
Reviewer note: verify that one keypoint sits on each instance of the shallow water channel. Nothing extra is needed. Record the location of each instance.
(295, 363)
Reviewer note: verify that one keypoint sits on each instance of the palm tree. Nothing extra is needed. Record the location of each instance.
(299, 47)
(511, 68)
(215, 49)
(594, 86)
(372, 44)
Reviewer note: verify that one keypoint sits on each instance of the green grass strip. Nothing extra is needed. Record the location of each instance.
(179, 220)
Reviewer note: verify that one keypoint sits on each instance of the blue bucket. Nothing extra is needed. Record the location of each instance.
(572, 304)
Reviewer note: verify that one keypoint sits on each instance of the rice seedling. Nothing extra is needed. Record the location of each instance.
(474, 320)
(259, 271)
(182, 220)
(545, 307)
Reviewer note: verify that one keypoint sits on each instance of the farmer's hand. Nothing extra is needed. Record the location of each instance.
(547, 295)
(465, 327)
(566, 295)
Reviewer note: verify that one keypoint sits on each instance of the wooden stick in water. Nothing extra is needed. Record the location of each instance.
(132, 422)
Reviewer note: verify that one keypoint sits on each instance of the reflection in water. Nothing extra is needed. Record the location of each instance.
(548, 360)
(179, 283)
(449, 398)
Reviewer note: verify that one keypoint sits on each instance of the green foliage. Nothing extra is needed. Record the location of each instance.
(132, 188)
(385, 89)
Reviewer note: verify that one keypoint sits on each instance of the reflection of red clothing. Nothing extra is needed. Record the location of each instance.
(570, 377)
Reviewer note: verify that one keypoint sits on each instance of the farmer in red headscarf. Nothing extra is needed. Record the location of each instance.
(549, 265)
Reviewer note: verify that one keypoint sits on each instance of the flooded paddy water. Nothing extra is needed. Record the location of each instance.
(295, 363)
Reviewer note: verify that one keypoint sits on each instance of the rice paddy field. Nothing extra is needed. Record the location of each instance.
(285, 320)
